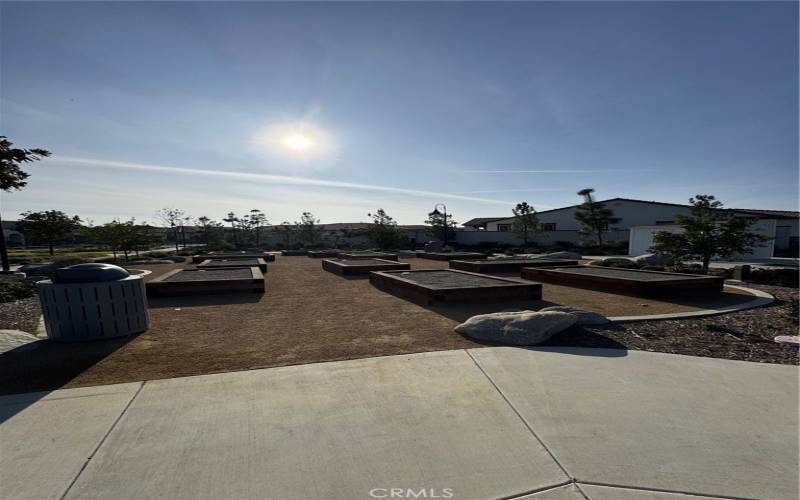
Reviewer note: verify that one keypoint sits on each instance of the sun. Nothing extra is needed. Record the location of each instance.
(297, 142)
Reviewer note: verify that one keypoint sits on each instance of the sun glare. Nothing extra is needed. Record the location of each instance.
(297, 142)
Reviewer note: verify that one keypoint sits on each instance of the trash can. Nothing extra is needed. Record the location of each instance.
(93, 302)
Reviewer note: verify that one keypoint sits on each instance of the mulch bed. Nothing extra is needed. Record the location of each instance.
(308, 315)
(20, 315)
(745, 335)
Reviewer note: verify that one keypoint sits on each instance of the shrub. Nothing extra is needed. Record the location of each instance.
(14, 288)
(777, 277)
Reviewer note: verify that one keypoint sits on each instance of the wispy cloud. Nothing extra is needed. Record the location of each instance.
(524, 190)
(271, 178)
(580, 171)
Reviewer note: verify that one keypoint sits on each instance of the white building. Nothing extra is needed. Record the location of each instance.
(559, 224)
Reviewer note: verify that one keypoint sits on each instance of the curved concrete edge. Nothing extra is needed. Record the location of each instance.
(761, 299)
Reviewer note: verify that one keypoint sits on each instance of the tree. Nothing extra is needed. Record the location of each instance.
(233, 220)
(288, 231)
(440, 228)
(526, 223)
(125, 237)
(172, 218)
(593, 216)
(51, 226)
(254, 221)
(308, 230)
(12, 177)
(708, 231)
(384, 233)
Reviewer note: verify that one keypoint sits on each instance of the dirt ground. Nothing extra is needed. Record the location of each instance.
(307, 315)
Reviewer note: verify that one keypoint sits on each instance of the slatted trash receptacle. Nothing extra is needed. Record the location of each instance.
(93, 302)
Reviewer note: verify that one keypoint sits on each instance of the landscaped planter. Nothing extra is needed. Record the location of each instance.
(506, 265)
(625, 281)
(428, 287)
(368, 254)
(361, 267)
(323, 254)
(196, 259)
(201, 281)
(450, 255)
(233, 263)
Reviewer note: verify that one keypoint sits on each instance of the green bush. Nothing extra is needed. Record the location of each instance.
(14, 288)
(777, 277)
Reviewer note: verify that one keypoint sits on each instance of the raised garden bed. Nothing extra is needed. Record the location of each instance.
(450, 255)
(196, 259)
(323, 254)
(507, 265)
(362, 267)
(233, 263)
(294, 253)
(202, 281)
(625, 281)
(368, 254)
(434, 286)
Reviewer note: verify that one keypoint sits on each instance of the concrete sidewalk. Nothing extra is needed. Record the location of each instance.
(545, 424)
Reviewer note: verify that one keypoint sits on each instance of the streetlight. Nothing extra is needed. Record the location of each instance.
(444, 213)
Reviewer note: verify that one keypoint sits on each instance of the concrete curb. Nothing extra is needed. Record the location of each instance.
(761, 299)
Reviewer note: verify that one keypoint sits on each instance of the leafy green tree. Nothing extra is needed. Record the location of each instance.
(125, 237)
(288, 231)
(172, 219)
(442, 226)
(51, 226)
(708, 231)
(384, 233)
(254, 222)
(233, 221)
(212, 231)
(526, 223)
(308, 230)
(593, 217)
(12, 177)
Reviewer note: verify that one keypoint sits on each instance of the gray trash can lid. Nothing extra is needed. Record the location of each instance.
(89, 273)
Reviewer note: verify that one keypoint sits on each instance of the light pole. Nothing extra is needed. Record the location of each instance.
(444, 213)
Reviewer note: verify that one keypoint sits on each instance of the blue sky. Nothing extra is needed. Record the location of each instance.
(341, 108)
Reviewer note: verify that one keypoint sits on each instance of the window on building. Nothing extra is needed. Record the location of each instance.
(504, 228)
(548, 226)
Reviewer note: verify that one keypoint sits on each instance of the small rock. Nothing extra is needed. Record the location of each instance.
(584, 317)
(788, 339)
(516, 328)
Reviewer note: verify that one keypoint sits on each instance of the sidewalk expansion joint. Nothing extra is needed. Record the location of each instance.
(519, 415)
(662, 490)
(102, 440)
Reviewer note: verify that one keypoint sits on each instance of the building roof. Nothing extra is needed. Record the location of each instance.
(480, 221)
(777, 214)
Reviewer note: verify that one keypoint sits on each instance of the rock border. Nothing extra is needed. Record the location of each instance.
(761, 299)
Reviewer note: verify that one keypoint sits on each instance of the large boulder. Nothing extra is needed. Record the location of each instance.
(652, 259)
(517, 327)
(584, 317)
